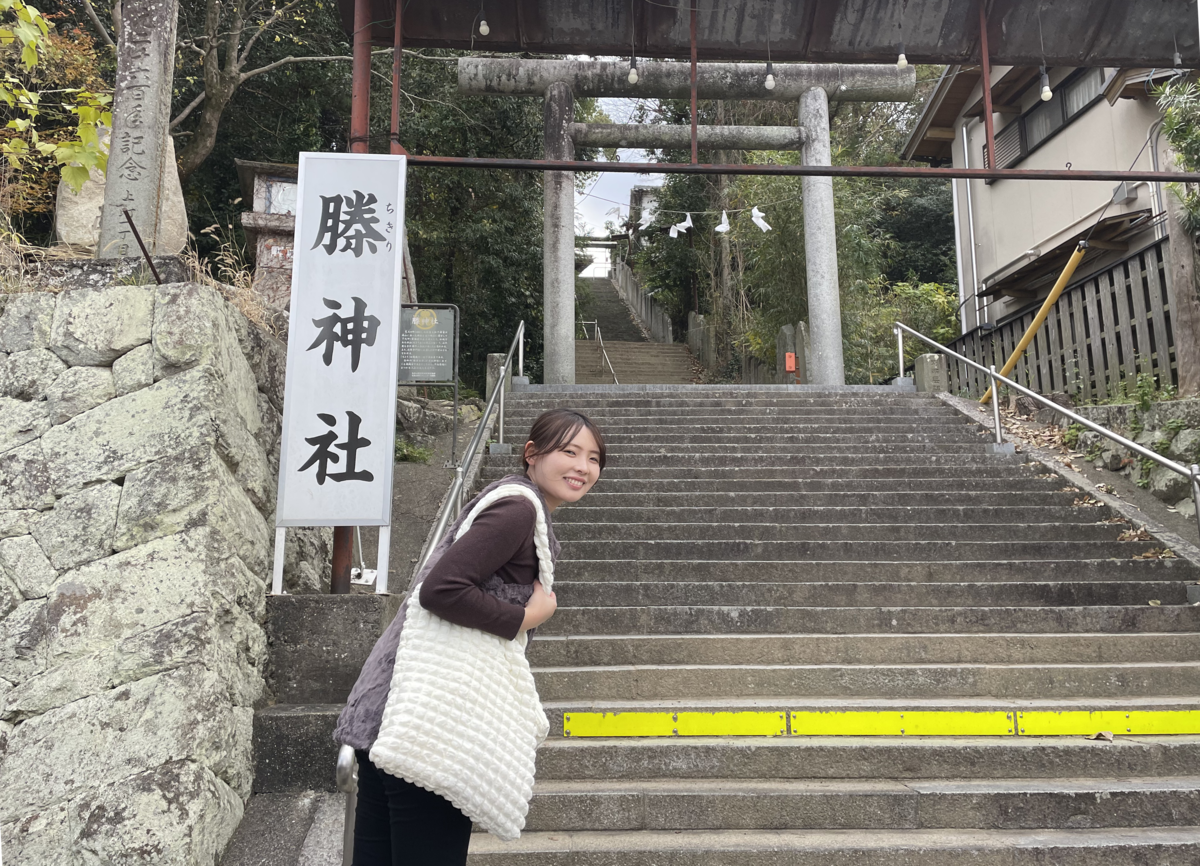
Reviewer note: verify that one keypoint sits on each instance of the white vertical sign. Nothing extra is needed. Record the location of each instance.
(339, 412)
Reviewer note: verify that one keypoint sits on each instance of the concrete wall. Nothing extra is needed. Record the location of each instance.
(139, 432)
(1012, 216)
(647, 310)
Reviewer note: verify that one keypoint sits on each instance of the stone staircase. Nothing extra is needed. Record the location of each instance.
(841, 561)
(634, 359)
(790, 565)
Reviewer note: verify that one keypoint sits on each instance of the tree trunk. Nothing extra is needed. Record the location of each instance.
(1185, 302)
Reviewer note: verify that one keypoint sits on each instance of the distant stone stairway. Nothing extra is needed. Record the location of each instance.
(634, 359)
(798, 554)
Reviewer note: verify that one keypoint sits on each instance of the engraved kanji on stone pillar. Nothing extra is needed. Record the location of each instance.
(138, 158)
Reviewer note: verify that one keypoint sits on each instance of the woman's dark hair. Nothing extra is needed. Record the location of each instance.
(556, 428)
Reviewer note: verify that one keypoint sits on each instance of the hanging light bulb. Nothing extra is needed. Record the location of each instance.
(770, 82)
(633, 73)
(901, 61)
(1047, 93)
(484, 30)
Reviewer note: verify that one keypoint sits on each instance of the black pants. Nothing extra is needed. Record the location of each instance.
(400, 824)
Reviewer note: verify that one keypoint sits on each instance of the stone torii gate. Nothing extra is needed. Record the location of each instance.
(812, 86)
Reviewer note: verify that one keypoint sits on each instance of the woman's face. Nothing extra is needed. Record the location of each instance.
(568, 473)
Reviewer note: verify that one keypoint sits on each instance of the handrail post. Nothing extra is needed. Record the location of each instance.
(996, 406)
(900, 350)
(503, 380)
(521, 349)
(347, 783)
(1195, 479)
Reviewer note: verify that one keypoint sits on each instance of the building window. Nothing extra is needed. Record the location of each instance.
(1028, 132)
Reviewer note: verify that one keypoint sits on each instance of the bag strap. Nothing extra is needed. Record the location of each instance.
(541, 534)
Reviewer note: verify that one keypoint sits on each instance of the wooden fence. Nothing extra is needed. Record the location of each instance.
(1103, 332)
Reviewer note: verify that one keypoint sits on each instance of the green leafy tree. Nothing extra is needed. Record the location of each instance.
(46, 122)
(1180, 104)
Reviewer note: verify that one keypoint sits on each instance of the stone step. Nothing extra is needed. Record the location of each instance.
(801, 804)
(1039, 680)
(958, 455)
(577, 514)
(573, 592)
(833, 484)
(749, 477)
(1162, 846)
(828, 483)
(661, 532)
(752, 410)
(852, 570)
(784, 434)
(999, 648)
(856, 394)
(709, 440)
(294, 748)
(294, 751)
(846, 498)
(867, 758)
(713, 454)
(872, 551)
(699, 619)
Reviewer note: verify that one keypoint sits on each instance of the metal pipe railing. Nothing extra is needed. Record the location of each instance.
(1192, 473)
(603, 351)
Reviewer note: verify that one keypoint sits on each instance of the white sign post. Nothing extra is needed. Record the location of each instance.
(339, 408)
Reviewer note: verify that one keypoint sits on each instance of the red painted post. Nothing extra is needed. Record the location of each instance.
(360, 121)
(986, 64)
(397, 53)
(695, 155)
(343, 543)
(360, 88)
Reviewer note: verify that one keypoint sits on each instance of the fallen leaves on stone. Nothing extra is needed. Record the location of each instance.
(1139, 534)
(1156, 553)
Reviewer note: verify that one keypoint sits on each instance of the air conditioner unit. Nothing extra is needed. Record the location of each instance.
(1124, 193)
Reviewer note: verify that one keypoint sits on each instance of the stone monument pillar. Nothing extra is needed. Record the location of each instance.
(138, 161)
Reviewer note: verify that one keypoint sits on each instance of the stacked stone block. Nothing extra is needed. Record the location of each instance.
(139, 431)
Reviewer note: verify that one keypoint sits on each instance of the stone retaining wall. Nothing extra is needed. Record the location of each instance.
(139, 430)
(1171, 428)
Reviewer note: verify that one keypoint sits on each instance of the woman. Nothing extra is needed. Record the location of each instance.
(487, 579)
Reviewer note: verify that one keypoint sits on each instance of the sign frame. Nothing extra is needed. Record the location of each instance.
(380, 386)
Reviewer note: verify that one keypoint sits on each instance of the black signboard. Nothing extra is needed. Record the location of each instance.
(429, 343)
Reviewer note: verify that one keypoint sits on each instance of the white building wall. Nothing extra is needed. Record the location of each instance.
(1012, 216)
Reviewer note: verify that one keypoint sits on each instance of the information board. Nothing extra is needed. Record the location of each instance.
(428, 338)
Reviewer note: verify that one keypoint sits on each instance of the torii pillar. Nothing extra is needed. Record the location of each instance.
(558, 241)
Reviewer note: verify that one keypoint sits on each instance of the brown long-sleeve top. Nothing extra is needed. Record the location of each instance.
(482, 580)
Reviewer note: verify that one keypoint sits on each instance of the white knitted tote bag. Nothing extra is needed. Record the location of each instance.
(463, 718)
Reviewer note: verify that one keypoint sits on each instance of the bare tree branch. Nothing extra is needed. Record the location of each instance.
(262, 29)
(191, 106)
(289, 59)
(100, 28)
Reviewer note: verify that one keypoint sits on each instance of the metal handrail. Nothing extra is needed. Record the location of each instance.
(600, 340)
(1192, 473)
(454, 499)
(347, 763)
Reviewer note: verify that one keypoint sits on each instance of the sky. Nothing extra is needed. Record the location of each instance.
(610, 191)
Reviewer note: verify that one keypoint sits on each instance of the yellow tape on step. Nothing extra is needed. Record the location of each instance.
(688, 724)
(906, 723)
(1088, 722)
